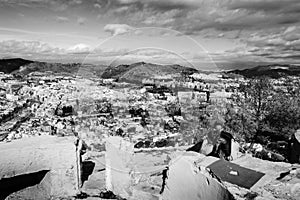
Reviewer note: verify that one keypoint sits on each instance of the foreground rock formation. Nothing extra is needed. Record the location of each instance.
(48, 167)
(280, 181)
(187, 180)
(119, 159)
(182, 179)
(40, 168)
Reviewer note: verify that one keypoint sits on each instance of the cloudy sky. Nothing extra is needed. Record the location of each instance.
(196, 32)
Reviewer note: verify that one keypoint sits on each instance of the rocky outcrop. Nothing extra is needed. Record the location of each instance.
(281, 180)
(119, 167)
(188, 180)
(53, 161)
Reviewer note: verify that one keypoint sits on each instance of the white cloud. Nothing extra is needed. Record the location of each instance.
(81, 20)
(127, 1)
(79, 48)
(76, 2)
(14, 46)
(289, 29)
(61, 19)
(97, 5)
(40, 48)
(117, 29)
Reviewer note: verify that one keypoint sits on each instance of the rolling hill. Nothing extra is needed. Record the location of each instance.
(13, 64)
(136, 72)
(272, 71)
(23, 67)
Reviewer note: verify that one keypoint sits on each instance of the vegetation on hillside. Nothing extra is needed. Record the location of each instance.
(262, 113)
(272, 71)
(10, 65)
(136, 72)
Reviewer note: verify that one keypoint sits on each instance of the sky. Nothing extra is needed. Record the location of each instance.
(205, 34)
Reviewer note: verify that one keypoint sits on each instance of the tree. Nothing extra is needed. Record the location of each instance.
(239, 122)
(283, 117)
(251, 103)
(173, 109)
(261, 112)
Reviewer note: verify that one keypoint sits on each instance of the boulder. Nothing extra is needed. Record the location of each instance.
(206, 147)
(40, 167)
(235, 150)
(230, 147)
(187, 180)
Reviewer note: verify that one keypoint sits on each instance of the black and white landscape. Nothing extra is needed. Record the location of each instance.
(150, 99)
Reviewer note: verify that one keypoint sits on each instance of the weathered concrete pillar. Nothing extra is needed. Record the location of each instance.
(119, 167)
(186, 180)
(29, 158)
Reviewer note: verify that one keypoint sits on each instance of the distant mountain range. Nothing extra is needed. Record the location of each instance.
(136, 72)
(24, 67)
(129, 73)
(272, 70)
(13, 64)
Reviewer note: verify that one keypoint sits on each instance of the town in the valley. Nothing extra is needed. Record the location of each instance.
(128, 135)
